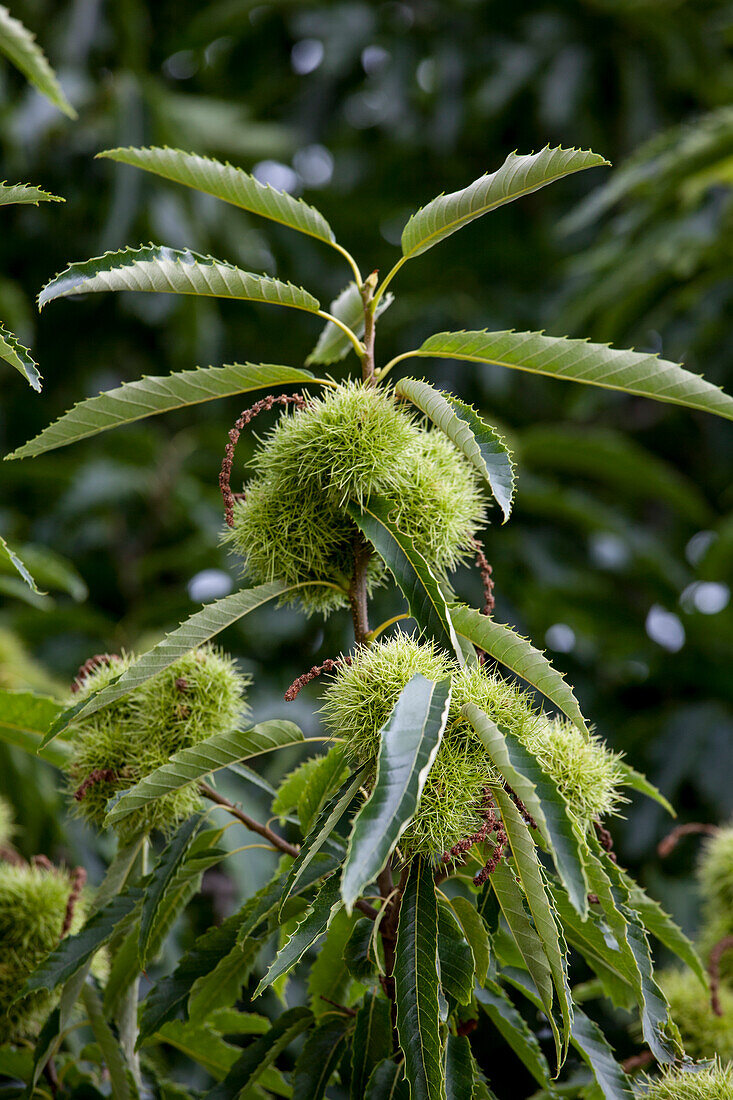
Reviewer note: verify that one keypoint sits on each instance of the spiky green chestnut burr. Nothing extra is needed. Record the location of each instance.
(199, 696)
(715, 875)
(33, 912)
(362, 695)
(711, 1083)
(352, 443)
(704, 1034)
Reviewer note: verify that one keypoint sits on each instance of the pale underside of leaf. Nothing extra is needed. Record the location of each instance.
(229, 184)
(13, 352)
(18, 565)
(521, 657)
(25, 193)
(519, 175)
(333, 343)
(633, 372)
(21, 48)
(164, 270)
(149, 396)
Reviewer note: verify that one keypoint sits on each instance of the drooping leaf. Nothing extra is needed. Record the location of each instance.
(320, 785)
(291, 787)
(518, 175)
(152, 395)
(192, 764)
(330, 980)
(372, 1040)
(11, 558)
(519, 656)
(45, 1044)
(639, 373)
(161, 878)
(409, 742)
(592, 939)
(416, 984)
(630, 777)
(221, 987)
(114, 1059)
(455, 956)
(540, 795)
(13, 352)
(266, 902)
(24, 193)
(24, 718)
(319, 1057)
(664, 929)
(595, 1049)
(21, 48)
(474, 929)
(387, 1082)
(459, 1068)
(228, 183)
(260, 1054)
(360, 951)
(333, 343)
(316, 921)
(201, 627)
(410, 570)
(482, 445)
(165, 270)
(513, 1028)
(49, 570)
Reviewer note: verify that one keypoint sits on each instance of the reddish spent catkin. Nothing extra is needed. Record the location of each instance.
(78, 881)
(92, 663)
(329, 665)
(99, 775)
(487, 579)
(264, 405)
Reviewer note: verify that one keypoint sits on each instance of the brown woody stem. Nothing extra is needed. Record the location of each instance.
(668, 843)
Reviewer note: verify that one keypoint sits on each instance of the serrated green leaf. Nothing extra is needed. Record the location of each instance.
(519, 656)
(410, 570)
(266, 902)
(319, 1057)
(164, 871)
(639, 373)
(9, 557)
(409, 742)
(49, 569)
(459, 1068)
(201, 627)
(454, 956)
(474, 929)
(513, 1028)
(229, 184)
(387, 1082)
(664, 929)
(24, 193)
(24, 718)
(221, 987)
(416, 984)
(152, 395)
(518, 176)
(594, 1048)
(13, 352)
(260, 1054)
(316, 921)
(359, 951)
(291, 787)
(192, 764)
(482, 445)
(372, 1040)
(330, 981)
(320, 785)
(593, 940)
(333, 344)
(165, 270)
(529, 871)
(45, 1045)
(630, 777)
(21, 48)
(540, 795)
(119, 1072)
(123, 972)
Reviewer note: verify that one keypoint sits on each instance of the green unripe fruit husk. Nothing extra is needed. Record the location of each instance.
(352, 443)
(712, 1083)
(199, 696)
(715, 874)
(361, 697)
(704, 1034)
(33, 904)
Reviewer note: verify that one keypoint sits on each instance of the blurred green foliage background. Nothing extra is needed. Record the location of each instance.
(619, 555)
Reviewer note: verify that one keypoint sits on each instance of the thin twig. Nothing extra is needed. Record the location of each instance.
(668, 843)
(716, 955)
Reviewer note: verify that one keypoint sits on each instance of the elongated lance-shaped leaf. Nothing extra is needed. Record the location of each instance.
(530, 874)
(593, 939)
(454, 956)
(518, 175)
(416, 984)
(13, 352)
(539, 793)
(482, 445)
(191, 764)
(316, 921)
(152, 395)
(595, 1049)
(519, 656)
(24, 718)
(630, 777)
(459, 1068)
(319, 1057)
(387, 1082)
(513, 1027)
(119, 1071)
(201, 627)
(333, 344)
(323, 826)
(260, 1054)
(372, 1041)
(228, 183)
(19, 566)
(21, 48)
(660, 925)
(410, 570)
(25, 194)
(474, 929)
(163, 874)
(265, 904)
(409, 742)
(634, 372)
(164, 270)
